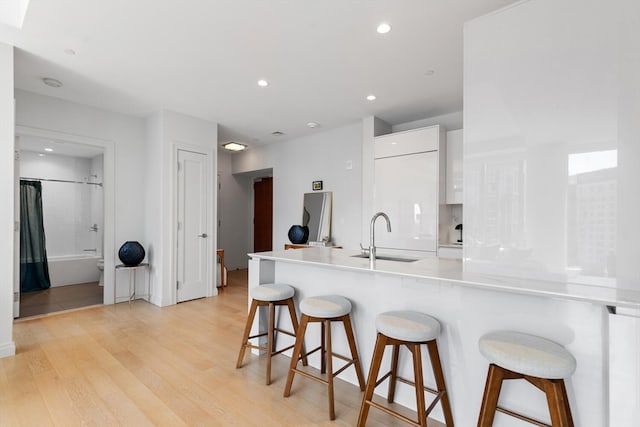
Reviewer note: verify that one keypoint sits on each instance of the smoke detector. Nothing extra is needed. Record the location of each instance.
(52, 82)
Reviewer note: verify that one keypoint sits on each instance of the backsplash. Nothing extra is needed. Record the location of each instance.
(450, 217)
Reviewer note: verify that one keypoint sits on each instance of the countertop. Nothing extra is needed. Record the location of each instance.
(450, 270)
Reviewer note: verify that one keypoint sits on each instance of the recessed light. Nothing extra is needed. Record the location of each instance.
(234, 146)
(48, 149)
(70, 52)
(40, 155)
(51, 82)
(383, 28)
(313, 125)
(371, 97)
(429, 73)
(277, 133)
(263, 83)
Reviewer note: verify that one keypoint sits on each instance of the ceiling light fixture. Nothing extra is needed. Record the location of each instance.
(234, 146)
(277, 133)
(371, 97)
(313, 125)
(263, 83)
(383, 28)
(48, 149)
(70, 52)
(429, 73)
(51, 82)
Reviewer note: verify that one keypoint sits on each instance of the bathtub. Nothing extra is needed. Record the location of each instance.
(73, 269)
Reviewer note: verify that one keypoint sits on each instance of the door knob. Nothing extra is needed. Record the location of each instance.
(203, 235)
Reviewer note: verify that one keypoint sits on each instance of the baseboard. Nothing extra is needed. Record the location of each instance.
(7, 349)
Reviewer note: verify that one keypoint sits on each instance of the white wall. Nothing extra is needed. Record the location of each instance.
(7, 143)
(298, 162)
(154, 202)
(128, 135)
(97, 203)
(166, 132)
(68, 208)
(234, 212)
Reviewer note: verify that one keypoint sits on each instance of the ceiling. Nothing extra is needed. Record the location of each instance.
(204, 58)
(56, 147)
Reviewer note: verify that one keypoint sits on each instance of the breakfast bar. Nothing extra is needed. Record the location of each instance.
(468, 305)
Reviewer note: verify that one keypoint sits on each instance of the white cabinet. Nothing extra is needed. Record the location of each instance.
(454, 167)
(407, 170)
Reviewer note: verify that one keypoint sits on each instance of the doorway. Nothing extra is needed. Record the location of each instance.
(59, 241)
(263, 215)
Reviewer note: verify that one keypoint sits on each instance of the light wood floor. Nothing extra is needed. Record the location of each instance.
(141, 365)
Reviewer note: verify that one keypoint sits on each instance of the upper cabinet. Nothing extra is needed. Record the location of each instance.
(454, 167)
(408, 184)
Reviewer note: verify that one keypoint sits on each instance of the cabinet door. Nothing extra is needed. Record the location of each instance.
(406, 189)
(454, 167)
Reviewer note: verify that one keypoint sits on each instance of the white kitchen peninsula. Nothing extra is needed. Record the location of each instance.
(468, 305)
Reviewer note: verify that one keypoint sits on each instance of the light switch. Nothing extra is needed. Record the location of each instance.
(349, 165)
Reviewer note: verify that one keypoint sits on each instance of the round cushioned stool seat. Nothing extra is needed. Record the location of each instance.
(325, 306)
(527, 354)
(272, 292)
(411, 326)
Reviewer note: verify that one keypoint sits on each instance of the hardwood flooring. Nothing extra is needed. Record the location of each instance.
(142, 365)
(60, 298)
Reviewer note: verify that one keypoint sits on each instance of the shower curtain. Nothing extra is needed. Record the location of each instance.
(34, 270)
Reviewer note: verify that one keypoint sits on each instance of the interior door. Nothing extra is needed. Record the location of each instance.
(192, 255)
(263, 215)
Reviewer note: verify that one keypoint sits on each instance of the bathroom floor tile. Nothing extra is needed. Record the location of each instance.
(60, 298)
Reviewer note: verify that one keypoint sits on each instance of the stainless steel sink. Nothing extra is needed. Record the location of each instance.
(386, 258)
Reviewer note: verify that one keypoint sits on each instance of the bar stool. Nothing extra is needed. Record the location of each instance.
(324, 310)
(541, 362)
(410, 329)
(271, 295)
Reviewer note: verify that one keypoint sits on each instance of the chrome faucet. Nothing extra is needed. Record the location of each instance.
(372, 235)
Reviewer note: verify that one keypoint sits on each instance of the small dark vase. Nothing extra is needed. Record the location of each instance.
(298, 234)
(131, 253)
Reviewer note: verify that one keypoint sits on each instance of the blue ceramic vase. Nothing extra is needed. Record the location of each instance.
(298, 234)
(131, 253)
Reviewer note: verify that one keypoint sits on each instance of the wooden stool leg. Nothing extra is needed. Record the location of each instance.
(376, 361)
(329, 361)
(247, 331)
(270, 339)
(348, 328)
(566, 403)
(323, 348)
(557, 405)
(394, 373)
(434, 355)
(296, 353)
(491, 395)
(294, 322)
(421, 407)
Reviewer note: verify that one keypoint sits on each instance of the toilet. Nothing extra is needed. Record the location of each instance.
(101, 268)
